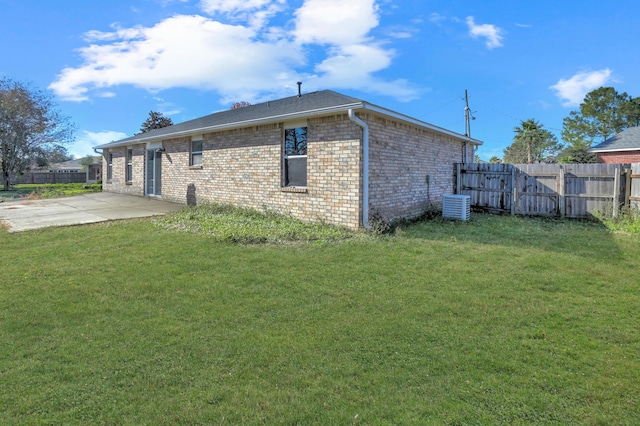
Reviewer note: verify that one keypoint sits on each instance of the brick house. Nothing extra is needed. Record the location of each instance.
(321, 156)
(622, 148)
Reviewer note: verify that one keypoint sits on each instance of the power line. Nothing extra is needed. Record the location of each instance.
(494, 109)
(441, 107)
(497, 110)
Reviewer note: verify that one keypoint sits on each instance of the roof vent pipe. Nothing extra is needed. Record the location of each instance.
(299, 88)
(365, 167)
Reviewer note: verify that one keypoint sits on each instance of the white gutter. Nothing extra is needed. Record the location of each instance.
(594, 150)
(365, 167)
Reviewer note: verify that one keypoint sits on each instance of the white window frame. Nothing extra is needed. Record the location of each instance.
(109, 166)
(292, 126)
(193, 154)
(128, 171)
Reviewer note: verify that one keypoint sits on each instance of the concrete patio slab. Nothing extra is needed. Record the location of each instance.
(21, 215)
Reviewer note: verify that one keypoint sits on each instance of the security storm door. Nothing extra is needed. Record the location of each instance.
(154, 172)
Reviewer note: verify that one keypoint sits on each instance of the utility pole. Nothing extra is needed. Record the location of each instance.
(468, 116)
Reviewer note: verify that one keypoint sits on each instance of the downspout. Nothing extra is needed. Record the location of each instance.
(101, 154)
(365, 167)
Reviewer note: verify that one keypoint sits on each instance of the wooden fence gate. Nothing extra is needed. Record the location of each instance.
(567, 190)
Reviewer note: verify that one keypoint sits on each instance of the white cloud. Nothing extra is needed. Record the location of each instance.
(238, 60)
(492, 33)
(233, 6)
(353, 56)
(401, 32)
(83, 146)
(182, 51)
(165, 3)
(335, 21)
(165, 107)
(436, 18)
(573, 90)
(256, 12)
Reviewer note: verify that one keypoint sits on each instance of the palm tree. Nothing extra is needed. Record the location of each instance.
(529, 132)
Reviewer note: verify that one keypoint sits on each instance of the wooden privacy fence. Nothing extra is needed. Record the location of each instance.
(566, 190)
(46, 178)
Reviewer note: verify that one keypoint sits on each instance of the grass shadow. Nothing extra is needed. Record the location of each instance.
(584, 237)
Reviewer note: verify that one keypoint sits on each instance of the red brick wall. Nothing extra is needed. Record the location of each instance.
(619, 157)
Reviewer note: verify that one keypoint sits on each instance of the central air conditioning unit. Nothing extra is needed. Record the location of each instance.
(456, 207)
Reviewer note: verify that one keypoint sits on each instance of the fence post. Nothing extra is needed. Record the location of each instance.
(627, 187)
(561, 188)
(513, 190)
(616, 191)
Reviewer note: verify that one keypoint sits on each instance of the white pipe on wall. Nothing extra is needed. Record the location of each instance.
(365, 167)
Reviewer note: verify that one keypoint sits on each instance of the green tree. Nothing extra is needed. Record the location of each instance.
(89, 160)
(531, 144)
(58, 154)
(603, 113)
(576, 154)
(155, 121)
(30, 126)
(51, 155)
(495, 160)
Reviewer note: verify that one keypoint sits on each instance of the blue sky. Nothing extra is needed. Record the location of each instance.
(109, 63)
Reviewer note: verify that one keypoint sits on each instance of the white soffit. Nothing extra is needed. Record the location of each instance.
(154, 145)
(292, 124)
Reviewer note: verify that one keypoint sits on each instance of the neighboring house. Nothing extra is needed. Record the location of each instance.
(320, 156)
(71, 166)
(93, 171)
(622, 148)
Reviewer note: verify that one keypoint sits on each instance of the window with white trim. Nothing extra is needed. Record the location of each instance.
(109, 165)
(294, 161)
(196, 153)
(129, 168)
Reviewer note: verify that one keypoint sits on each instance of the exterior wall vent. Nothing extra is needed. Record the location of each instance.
(456, 207)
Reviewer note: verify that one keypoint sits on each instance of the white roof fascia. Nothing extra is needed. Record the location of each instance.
(420, 123)
(614, 150)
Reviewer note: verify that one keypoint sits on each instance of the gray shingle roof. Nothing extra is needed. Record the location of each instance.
(307, 103)
(626, 140)
(294, 107)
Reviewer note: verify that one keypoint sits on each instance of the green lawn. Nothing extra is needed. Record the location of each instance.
(49, 191)
(501, 320)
